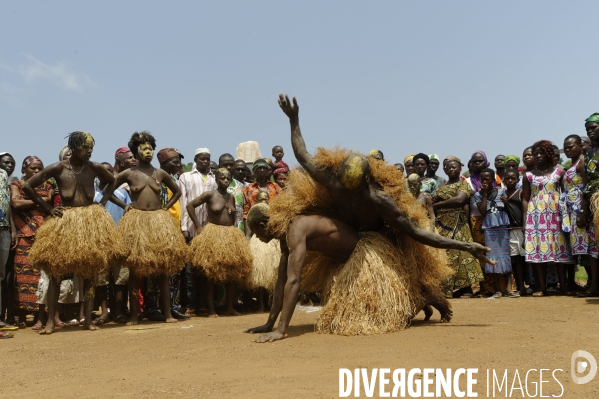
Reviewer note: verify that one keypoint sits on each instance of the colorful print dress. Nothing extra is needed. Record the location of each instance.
(27, 222)
(453, 223)
(582, 240)
(543, 236)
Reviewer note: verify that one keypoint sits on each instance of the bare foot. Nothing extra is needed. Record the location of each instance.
(261, 329)
(171, 320)
(232, 312)
(212, 315)
(428, 312)
(270, 337)
(90, 327)
(438, 301)
(47, 331)
(131, 323)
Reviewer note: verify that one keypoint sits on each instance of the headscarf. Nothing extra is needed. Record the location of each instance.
(166, 154)
(475, 176)
(28, 161)
(593, 118)
(260, 163)
(452, 158)
(514, 158)
(63, 152)
(408, 158)
(433, 156)
(122, 150)
(280, 170)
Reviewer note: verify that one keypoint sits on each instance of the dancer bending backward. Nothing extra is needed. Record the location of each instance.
(156, 246)
(220, 248)
(362, 202)
(80, 237)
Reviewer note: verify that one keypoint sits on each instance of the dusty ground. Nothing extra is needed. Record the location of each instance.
(213, 358)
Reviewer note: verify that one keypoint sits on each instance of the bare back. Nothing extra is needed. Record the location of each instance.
(332, 238)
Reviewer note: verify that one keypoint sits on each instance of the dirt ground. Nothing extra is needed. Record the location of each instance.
(203, 357)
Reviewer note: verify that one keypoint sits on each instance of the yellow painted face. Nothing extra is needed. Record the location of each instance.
(85, 152)
(262, 198)
(352, 176)
(145, 152)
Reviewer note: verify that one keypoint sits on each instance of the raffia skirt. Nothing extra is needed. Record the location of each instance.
(370, 293)
(267, 257)
(154, 242)
(222, 253)
(84, 241)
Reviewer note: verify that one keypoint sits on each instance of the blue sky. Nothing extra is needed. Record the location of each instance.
(404, 77)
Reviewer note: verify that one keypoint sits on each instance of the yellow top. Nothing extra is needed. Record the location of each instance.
(174, 210)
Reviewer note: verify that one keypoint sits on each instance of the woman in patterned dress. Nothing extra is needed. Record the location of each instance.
(421, 164)
(581, 234)
(545, 243)
(452, 222)
(591, 164)
(28, 217)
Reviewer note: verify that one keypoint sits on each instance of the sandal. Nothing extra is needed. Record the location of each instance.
(100, 321)
(61, 324)
(497, 295)
(121, 319)
(37, 326)
(466, 296)
(6, 335)
(538, 294)
(72, 323)
(513, 295)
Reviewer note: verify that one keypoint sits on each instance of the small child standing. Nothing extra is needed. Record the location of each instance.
(513, 207)
(277, 153)
(495, 228)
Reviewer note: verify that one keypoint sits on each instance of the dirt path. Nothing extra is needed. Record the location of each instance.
(213, 358)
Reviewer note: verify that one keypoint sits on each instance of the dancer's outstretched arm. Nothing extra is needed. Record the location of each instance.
(323, 176)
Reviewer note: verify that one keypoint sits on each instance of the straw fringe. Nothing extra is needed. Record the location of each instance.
(267, 257)
(156, 246)
(223, 254)
(318, 273)
(427, 266)
(84, 241)
(369, 295)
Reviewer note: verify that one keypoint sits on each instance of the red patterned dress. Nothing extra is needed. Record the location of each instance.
(27, 222)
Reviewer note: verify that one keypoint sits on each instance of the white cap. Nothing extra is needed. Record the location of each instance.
(201, 151)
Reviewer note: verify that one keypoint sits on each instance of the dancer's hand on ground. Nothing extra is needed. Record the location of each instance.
(261, 329)
(479, 252)
(270, 337)
(291, 110)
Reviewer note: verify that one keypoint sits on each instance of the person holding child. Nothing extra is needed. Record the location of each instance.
(490, 202)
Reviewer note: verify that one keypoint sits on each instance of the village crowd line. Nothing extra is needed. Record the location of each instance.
(187, 242)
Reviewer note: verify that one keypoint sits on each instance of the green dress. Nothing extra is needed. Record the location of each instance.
(453, 223)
